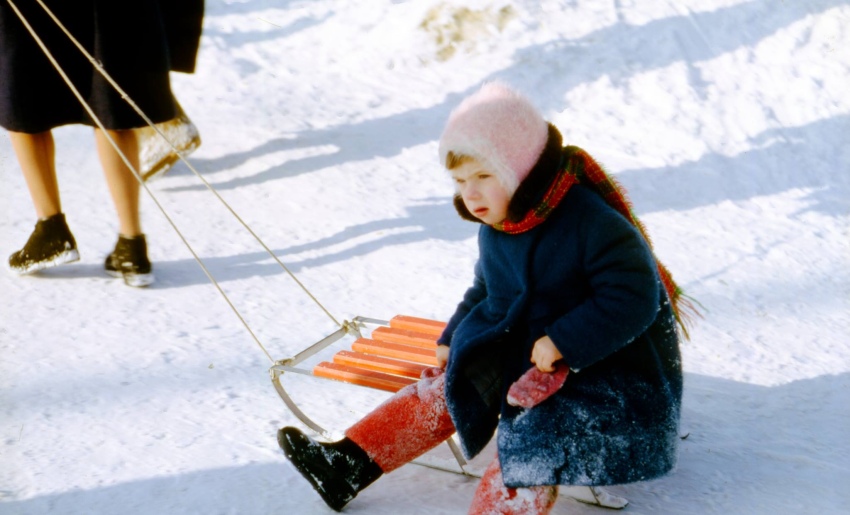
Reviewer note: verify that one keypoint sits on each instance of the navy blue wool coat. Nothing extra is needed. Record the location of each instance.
(586, 278)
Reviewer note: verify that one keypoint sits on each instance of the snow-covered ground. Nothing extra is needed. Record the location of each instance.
(727, 120)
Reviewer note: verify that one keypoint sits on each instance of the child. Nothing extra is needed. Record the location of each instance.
(565, 278)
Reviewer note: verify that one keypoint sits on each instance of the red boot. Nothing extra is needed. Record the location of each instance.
(407, 425)
(492, 497)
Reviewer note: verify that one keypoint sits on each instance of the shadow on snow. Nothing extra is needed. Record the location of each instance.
(618, 52)
(748, 449)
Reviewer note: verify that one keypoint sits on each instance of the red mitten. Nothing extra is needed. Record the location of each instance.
(534, 386)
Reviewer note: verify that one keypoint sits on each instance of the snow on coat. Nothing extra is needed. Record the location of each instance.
(586, 278)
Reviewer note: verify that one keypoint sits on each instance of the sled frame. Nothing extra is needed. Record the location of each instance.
(290, 365)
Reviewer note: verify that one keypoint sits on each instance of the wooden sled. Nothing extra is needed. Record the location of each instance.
(391, 355)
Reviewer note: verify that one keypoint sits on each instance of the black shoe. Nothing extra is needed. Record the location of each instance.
(130, 261)
(50, 244)
(337, 471)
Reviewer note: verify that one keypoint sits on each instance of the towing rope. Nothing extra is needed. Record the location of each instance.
(99, 67)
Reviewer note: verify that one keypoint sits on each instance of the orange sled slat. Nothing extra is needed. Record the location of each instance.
(396, 350)
(422, 325)
(395, 335)
(362, 377)
(379, 364)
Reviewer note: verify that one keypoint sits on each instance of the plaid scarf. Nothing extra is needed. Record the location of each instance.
(579, 168)
(557, 189)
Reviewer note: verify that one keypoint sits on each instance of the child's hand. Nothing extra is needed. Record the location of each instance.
(544, 354)
(442, 355)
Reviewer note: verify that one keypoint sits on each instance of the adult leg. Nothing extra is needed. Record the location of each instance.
(36, 156)
(492, 497)
(123, 185)
(51, 242)
(129, 260)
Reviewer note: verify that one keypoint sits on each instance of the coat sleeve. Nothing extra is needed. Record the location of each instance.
(474, 295)
(624, 291)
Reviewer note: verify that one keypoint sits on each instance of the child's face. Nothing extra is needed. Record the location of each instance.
(482, 193)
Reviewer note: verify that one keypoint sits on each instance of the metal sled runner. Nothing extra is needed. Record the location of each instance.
(393, 357)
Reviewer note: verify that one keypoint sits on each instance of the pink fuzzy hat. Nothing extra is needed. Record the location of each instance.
(501, 129)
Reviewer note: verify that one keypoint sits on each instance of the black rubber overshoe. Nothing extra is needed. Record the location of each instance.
(50, 244)
(337, 471)
(130, 261)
